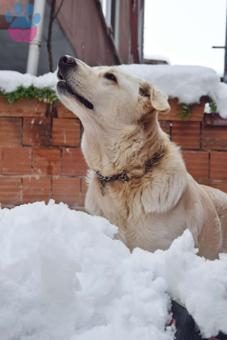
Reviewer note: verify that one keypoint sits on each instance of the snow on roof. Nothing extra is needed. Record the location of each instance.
(63, 276)
(187, 83)
(157, 57)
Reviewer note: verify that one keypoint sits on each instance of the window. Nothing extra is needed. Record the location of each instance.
(111, 11)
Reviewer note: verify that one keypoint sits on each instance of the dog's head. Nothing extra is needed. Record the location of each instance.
(105, 94)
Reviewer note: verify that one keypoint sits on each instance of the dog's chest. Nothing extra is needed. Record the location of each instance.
(136, 229)
(147, 231)
(150, 232)
(114, 206)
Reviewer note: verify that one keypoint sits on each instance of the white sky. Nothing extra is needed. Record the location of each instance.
(184, 31)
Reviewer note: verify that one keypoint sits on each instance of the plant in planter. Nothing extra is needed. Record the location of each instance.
(181, 111)
(45, 95)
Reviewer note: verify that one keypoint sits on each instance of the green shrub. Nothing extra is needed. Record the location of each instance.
(45, 95)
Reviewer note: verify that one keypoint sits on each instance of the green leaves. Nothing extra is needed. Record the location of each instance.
(45, 95)
(185, 111)
(213, 105)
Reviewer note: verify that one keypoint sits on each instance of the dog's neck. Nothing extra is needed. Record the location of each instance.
(149, 165)
(130, 150)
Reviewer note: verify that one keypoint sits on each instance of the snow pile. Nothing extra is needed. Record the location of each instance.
(187, 83)
(11, 80)
(63, 277)
(197, 283)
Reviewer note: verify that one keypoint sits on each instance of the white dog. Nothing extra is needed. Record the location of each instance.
(137, 177)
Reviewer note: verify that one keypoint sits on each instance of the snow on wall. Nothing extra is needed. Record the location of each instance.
(188, 83)
(62, 276)
(11, 80)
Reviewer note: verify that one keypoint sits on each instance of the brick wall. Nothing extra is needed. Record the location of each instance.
(203, 140)
(40, 155)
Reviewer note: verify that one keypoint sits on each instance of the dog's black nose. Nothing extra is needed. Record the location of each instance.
(67, 61)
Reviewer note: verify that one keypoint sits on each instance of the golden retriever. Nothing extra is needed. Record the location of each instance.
(137, 177)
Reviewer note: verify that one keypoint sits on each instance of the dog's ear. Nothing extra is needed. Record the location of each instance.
(158, 99)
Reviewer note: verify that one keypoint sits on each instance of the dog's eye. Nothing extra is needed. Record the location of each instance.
(144, 92)
(110, 76)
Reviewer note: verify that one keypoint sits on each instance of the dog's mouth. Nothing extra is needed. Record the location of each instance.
(59, 75)
(64, 86)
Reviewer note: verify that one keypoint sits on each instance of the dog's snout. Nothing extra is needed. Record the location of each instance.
(67, 61)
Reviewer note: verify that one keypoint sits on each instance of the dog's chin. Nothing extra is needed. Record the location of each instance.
(65, 90)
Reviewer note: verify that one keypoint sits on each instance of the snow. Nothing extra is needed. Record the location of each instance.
(187, 83)
(11, 80)
(64, 277)
(221, 99)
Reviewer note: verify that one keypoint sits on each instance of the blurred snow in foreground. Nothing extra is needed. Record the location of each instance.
(63, 277)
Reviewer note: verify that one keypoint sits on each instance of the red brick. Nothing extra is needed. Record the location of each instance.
(16, 161)
(10, 132)
(36, 189)
(186, 134)
(219, 185)
(67, 190)
(66, 132)
(46, 161)
(22, 108)
(214, 138)
(0, 161)
(197, 163)
(37, 131)
(73, 163)
(166, 126)
(196, 114)
(214, 120)
(63, 112)
(10, 191)
(218, 165)
(83, 185)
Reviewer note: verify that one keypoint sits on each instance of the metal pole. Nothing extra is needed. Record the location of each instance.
(34, 47)
(225, 65)
(225, 48)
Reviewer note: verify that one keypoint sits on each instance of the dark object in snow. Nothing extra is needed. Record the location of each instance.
(186, 328)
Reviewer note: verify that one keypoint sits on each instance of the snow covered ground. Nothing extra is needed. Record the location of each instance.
(64, 277)
(188, 83)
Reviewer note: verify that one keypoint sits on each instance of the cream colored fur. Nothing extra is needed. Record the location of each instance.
(121, 134)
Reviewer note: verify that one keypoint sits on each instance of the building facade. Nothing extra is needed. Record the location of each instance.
(106, 32)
